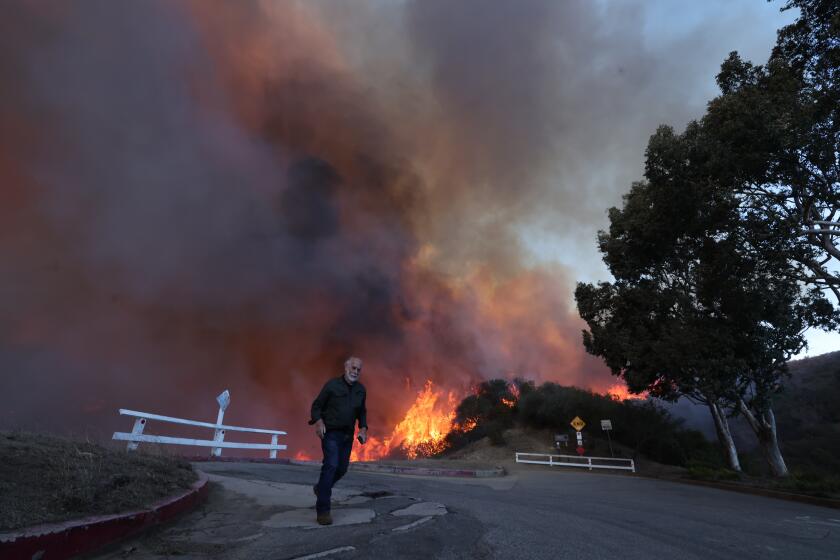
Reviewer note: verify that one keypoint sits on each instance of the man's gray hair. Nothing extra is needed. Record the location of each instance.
(350, 359)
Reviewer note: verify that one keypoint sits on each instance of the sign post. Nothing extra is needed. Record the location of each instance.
(606, 425)
(561, 440)
(578, 424)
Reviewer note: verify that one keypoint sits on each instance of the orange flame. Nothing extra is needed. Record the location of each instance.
(421, 432)
(468, 425)
(620, 392)
(514, 391)
(303, 456)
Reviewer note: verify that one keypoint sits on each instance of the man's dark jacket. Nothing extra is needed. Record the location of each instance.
(340, 405)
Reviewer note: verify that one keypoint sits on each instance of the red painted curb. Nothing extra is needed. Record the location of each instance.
(57, 541)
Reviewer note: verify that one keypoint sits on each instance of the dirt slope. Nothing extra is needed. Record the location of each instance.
(45, 479)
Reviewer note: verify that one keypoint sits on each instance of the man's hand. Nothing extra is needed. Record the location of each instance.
(320, 428)
(363, 436)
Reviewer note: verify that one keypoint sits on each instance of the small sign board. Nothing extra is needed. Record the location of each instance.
(577, 423)
(606, 425)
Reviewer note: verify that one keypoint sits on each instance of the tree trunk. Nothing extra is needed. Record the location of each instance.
(724, 435)
(764, 426)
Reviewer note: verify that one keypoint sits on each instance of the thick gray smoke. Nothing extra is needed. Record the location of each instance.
(208, 195)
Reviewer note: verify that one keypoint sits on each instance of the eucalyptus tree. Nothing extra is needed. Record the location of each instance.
(703, 303)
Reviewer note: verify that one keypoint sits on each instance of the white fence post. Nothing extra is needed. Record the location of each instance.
(219, 435)
(139, 424)
(273, 453)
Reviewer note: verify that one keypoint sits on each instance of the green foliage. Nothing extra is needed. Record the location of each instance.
(708, 299)
(822, 485)
(703, 471)
(488, 409)
(808, 417)
(640, 425)
(701, 295)
(710, 252)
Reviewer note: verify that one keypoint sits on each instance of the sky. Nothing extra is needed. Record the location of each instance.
(201, 195)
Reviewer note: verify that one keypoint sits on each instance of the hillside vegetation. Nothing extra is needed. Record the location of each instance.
(808, 414)
(640, 427)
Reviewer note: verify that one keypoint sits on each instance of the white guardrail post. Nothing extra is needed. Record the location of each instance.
(216, 444)
(139, 424)
(273, 453)
(219, 435)
(576, 461)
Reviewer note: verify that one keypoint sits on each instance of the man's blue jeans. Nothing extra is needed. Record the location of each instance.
(336, 446)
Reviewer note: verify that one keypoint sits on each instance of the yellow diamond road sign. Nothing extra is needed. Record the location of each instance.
(578, 424)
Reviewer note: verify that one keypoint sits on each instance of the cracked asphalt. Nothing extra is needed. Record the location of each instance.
(264, 511)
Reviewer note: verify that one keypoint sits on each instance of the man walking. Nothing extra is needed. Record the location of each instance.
(335, 411)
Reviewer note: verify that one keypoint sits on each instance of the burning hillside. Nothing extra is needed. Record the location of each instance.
(423, 430)
(619, 392)
(420, 433)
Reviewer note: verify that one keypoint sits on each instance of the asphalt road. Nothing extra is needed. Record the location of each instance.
(259, 511)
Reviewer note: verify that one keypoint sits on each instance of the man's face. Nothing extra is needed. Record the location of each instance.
(352, 370)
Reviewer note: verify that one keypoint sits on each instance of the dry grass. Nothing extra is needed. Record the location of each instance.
(45, 479)
(524, 441)
(540, 441)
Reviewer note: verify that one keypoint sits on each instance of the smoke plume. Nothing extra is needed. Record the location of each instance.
(208, 195)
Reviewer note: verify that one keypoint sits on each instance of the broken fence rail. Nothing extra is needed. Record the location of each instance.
(217, 443)
(576, 461)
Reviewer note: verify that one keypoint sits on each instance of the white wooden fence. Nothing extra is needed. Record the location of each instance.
(576, 461)
(217, 443)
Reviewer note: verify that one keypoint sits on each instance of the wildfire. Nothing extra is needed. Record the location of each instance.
(467, 426)
(421, 432)
(514, 391)
(619, 392)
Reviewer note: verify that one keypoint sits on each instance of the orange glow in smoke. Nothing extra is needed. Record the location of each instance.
(303, 456)
(421, 432)
(373, 450)
(508, 403)
(619, 392)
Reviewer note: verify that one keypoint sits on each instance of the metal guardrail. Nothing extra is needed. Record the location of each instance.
(217, 443)
(576, 461)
